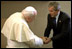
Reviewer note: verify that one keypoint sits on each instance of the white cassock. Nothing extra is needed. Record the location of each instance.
(18, 33)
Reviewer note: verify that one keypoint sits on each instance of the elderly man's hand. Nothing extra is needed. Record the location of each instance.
(46, 40)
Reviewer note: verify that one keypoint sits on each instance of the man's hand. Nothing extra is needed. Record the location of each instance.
(46, 40)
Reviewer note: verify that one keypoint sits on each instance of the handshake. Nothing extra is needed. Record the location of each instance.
(46, 40)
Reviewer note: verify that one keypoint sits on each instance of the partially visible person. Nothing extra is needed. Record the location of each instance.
(60, 22)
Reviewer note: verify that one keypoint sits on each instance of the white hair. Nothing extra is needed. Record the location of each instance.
(29, 11)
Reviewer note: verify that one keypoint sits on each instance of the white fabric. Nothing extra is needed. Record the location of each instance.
(34, 43)
(17, 29)
(57, 17)
(15, 44)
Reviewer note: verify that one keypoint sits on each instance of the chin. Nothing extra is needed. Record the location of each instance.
(52, 16)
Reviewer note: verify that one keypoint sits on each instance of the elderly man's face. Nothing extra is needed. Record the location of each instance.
(29, 19)
(52, 12)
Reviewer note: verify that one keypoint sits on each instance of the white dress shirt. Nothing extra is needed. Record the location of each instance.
(57, 17)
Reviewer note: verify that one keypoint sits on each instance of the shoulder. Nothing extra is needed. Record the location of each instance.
(64, 16)
(16, 13)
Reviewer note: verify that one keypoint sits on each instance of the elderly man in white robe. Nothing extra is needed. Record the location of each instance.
(17, 31)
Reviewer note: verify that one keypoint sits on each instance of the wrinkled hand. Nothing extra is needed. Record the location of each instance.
(46, 40)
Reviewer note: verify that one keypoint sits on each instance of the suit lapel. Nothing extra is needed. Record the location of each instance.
(59, 21)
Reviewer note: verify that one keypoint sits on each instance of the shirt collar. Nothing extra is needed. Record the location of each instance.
(58, 15)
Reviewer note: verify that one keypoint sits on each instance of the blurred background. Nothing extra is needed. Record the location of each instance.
(39, 24)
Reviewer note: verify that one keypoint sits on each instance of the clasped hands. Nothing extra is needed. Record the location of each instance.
(46, 40)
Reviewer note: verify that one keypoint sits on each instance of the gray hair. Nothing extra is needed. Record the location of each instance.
(55, 4)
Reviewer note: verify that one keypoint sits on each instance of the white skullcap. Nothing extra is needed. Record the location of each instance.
(29, 11)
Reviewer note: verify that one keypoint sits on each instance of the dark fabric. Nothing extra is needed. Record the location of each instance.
(61, 32)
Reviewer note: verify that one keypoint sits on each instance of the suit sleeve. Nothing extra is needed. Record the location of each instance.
(65, 30)
(47, 30)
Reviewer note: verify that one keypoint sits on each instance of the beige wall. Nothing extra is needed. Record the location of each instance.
(39, 24)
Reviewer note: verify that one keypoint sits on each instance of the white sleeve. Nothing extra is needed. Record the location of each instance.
(38, 41)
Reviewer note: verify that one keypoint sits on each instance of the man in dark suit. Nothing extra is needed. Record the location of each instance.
(60, 23)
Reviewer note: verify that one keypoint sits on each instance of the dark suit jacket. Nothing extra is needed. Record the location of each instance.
(61, 36)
